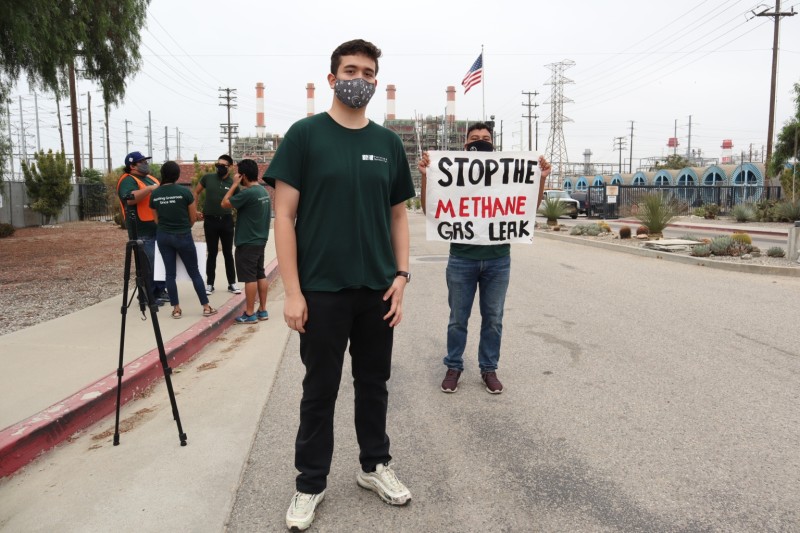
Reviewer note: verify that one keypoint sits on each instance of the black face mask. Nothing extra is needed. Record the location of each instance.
(222, 171)
(480, 146)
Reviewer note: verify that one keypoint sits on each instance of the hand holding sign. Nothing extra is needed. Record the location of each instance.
(482, 198)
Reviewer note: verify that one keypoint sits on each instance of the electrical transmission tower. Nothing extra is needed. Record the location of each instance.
(229, 130)
(556, 151)
(620, 143)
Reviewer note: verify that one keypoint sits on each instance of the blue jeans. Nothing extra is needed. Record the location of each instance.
(464, 276)
(171, 246)
(150, 251)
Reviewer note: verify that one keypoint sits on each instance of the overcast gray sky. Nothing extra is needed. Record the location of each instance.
(649, 62)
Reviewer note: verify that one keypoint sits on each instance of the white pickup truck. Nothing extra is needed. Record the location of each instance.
(564, 197)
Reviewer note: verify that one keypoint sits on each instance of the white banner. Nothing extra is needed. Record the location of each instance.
(482, 197)
(160, 274)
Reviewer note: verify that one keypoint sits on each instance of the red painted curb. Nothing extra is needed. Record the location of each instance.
(23, 442)
(712, 227)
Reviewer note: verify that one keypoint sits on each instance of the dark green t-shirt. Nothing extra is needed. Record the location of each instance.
(127, 186)
(215, 189)
(252, 215)
(348, 182)
(480, 253)
(171, 202)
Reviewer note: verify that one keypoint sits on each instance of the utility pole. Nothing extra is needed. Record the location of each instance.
(630, 160)
(675, 136)
(776, 15)
(689, 143)
(166, 143)
(150, 134)
(108, 137)
(60, 128)
(619, 144)
(127, 139)
(36, 106)
(228, 130)
(794, 167)
(89, 109)
(73, 102)
(22, 140)
(530, 116)
(177, 144)
(11, 142)
(80, 125)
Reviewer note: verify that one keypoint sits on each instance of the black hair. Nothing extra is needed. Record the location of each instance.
(227, 158)
(170, 172)
(352, 48)
(249, 169)
(480, 126)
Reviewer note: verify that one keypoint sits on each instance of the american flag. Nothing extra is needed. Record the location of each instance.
(474, 74)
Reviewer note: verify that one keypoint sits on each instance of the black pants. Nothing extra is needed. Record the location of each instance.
(333, 319)
(219, 229)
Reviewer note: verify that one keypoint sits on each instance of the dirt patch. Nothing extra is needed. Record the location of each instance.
(207, 366)
(127, 424)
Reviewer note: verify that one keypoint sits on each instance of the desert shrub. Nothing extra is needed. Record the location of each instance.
(577, 230)
(776, 251)
(743, 238)
(690, 237)
(765, 211)
(6, 230)
(743, 213)
(722, 245)
(656, 211)
(604, 227)
(625, 232)
(701, 250)
(788, 211)
(592, 230)
(710, 211)
(552, 209)
(700, 212)
(642, 230)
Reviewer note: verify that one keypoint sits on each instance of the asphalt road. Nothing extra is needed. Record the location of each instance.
(641, 395)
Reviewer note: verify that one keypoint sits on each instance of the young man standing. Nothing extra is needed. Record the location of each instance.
(218, 222)
(252, 231)
(137, 181)
(472, 268)
(341, 235)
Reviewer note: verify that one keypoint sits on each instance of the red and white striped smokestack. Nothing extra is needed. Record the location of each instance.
(390, 111)
(309, 99)
(260, 130)
(451, 103)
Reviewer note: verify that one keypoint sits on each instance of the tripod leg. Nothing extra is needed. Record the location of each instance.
(143, 279)
(124, 311)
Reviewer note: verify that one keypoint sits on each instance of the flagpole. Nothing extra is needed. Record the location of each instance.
(483, 85)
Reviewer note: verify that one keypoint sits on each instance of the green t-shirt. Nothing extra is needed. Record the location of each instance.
(348, 182)
(215, 189)
(171, 202)
(252, 215)
(127, 186)
(480, 253)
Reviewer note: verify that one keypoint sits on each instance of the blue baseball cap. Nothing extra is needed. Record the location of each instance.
(134, 157)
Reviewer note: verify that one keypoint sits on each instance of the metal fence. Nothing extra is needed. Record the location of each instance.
(88, 201)
(600, 204)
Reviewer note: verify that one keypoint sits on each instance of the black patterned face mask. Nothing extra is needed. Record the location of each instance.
(354, 93)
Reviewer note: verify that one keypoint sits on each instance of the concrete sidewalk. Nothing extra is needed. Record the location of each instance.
(44, 365)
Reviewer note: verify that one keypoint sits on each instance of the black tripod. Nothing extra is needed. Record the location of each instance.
(135, 248)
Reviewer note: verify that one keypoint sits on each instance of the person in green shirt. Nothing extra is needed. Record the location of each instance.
(476, 268)
(341, 235)
(218, 222)
(175, 213)
(252, 231)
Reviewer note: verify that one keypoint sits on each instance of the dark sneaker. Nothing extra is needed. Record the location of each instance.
(493, 385)
(302, 510)
(383, 481)
(450, 383)
(246, 319)
(234, 289)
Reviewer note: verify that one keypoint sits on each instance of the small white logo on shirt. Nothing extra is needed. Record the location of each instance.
(370, 157)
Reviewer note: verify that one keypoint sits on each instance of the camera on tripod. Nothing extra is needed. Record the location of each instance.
(130, 217)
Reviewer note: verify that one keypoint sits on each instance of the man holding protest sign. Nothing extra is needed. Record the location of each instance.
(485, 267)
(343, 281)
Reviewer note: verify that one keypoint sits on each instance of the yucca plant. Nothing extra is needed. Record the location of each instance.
(552, 209)
(788, 211)
(743, 213)
(656, 211)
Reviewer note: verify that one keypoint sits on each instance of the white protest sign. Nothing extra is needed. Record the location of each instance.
(160, 273)
(482, 197)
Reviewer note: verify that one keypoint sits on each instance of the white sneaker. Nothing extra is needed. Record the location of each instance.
(384, 482)
(234, 289)
(209, 289)
(301, 510)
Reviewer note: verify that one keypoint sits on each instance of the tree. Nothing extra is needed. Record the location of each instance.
(43, 38)
(48, 182)
(673, 161)
(788, 148)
